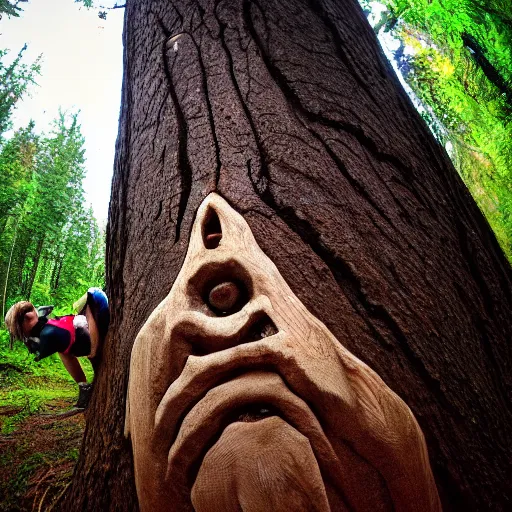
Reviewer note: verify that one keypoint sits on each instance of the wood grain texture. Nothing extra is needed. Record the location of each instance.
(271, 467)
(288, 109)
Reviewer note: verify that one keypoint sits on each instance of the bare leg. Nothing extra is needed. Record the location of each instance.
(93, 332)
(72, 365)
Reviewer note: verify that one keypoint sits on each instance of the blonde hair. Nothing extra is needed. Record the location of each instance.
(14, 318)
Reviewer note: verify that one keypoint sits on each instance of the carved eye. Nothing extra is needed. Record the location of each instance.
(226, 297)
(212, 231)
(220, 288)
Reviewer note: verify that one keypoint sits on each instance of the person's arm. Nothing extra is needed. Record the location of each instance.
(73, 367)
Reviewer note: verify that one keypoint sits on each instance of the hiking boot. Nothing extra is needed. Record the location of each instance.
(84, 395)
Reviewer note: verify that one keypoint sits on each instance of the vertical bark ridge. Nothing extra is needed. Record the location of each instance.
(209, 109)
(261, 185)
(296, 105)
(184, 163)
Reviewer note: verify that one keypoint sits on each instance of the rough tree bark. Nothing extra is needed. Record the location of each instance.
(288, 109)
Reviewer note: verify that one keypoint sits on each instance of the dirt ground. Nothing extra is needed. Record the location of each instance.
(37, 459)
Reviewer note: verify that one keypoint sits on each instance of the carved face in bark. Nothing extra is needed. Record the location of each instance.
(240, 399)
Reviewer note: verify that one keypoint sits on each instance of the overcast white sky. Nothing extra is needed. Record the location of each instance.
(81, 70)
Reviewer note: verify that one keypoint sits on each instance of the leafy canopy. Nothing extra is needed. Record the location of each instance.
(456, 56)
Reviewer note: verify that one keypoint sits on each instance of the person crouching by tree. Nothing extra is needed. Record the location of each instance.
(72, 336)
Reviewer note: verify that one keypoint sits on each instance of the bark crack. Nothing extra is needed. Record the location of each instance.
(209, 108)
(184, 167)
(263, 182)
(296, 105)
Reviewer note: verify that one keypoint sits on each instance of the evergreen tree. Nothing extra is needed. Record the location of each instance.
(287, 109)
(14, 80)
(53, 249)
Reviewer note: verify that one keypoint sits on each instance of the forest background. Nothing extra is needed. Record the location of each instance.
(51, 244)
(454, 57)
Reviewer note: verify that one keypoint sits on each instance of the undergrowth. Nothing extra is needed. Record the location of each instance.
(26, 387)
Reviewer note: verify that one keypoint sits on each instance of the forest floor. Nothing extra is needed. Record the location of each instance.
(39, 445)
(37, 457)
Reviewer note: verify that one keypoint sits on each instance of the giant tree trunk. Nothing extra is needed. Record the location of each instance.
(288, 109)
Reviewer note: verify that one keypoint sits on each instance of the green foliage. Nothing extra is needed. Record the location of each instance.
(14, 80)
(456, 55)
(9, 8)
(28, 386)
(52, 248)
(17, 163)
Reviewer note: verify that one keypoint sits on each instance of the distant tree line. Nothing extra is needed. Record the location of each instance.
(51, 246)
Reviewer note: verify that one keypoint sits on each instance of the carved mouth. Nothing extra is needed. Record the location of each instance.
(255, 412)
(199, 376)
(249, 398)
(212, 393)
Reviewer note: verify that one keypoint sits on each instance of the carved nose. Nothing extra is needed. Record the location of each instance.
(223, 308)
(220, 280)
(212, 231)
